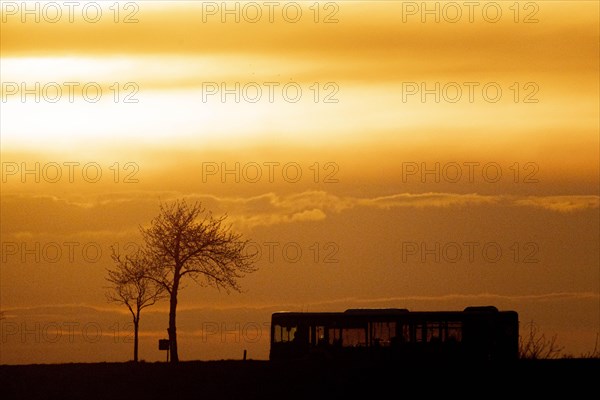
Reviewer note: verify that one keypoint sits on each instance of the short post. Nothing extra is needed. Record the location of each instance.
(163, 344)
(244, 355)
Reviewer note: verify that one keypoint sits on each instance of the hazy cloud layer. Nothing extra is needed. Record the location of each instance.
(76, 332)
(247, 212)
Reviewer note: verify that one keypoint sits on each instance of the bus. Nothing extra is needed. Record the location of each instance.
(476, 333)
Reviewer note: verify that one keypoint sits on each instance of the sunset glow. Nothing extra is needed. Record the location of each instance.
(373, 159)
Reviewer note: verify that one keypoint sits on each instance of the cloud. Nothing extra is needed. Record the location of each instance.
(563, 204)
(427, 200)
(271, 209)
(309, 215)
(124, 212)
(368, 28)
(479, 296)
(86, 310)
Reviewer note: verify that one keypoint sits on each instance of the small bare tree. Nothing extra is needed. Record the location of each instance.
(536, 346)
(131, 287)
(185, 241)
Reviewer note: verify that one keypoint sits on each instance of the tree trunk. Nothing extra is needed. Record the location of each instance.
(172, 317)
(136, 325)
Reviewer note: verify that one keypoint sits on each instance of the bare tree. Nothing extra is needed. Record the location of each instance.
(536, 346)
(131, 287)
(187, 242)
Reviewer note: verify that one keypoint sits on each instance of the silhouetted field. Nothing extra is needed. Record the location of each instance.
(299, 380)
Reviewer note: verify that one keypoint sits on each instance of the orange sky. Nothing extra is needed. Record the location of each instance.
(338, 170)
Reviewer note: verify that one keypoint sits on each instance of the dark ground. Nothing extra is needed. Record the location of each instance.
(300, 380)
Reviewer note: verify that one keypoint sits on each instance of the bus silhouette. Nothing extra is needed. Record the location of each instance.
(476, 333)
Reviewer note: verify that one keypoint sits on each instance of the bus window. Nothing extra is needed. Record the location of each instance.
(354, 337)
(317, 335)
(335, 336)
(382, 333)
(454, 331)
(284, 333)
(405, 333)
(435, 331)
(419, 334)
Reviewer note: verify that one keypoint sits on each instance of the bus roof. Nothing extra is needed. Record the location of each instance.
(391, 311)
